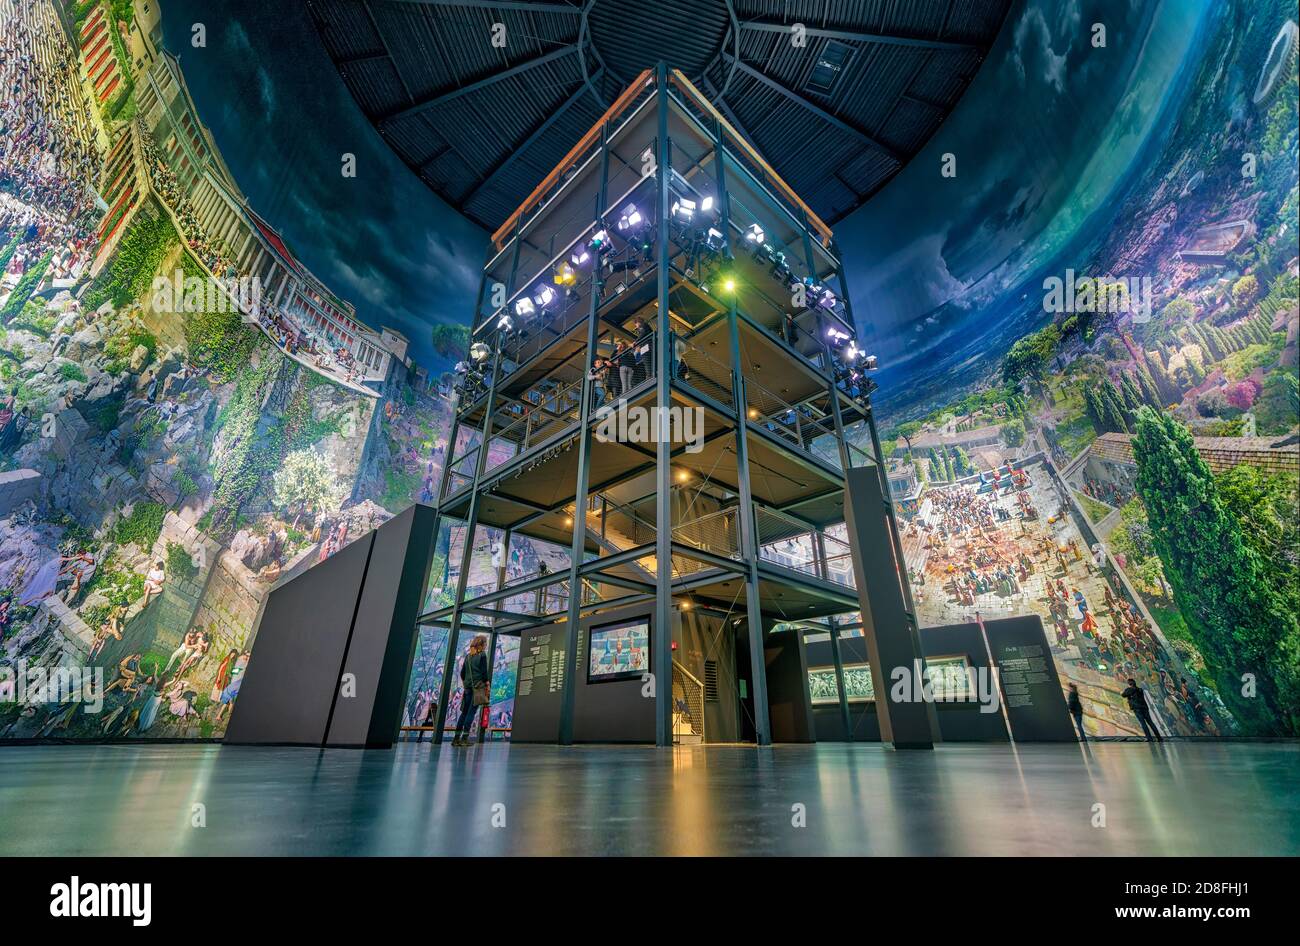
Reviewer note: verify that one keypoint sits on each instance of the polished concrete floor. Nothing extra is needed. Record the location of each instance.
(1179, 799)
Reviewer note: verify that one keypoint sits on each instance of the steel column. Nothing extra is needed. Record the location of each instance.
(578, 547)
(471, 519)
(744, 514)
(663, 631)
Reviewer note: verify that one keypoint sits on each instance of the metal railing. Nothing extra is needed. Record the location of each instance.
(694, 366)
(799, 425)
(688, 704)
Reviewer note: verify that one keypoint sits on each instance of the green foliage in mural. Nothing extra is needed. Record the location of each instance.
(1238, 619)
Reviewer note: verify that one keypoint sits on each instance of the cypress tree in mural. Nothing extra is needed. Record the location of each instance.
(1094, 409)
(1150, 393)
(1239, 622)
(1132, 396)
(1117, 412)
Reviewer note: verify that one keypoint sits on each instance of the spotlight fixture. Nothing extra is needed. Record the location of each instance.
(729, 284)
(579, 256)
(870, 363)
(505, 323)
(631, 218)
(713, 238)
(780, 268)
(524, 307)
(543, 296)
(837, 338)
(684, 209)
(599, 242)
(565, 275)
(706, 205)
(754, 234)
(479, 351)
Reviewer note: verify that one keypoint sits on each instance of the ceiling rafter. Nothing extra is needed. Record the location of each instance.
(532, 136)
(563, 9)
(441, 98)
(859, 36)
(817, 110)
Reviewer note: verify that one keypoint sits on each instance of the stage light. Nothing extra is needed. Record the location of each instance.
(564, 275)
(852, 352)
(837, 338)
(599, 241)
(729, 284)
(869, 363)
(706, 204)
(479, 351)
(631, 218)
(713, 238)
(505, 323)
(543, 296)
(780, 268)
(754, 234)
(827, 299)
(524, 307)
(684, 209)
(579, 257)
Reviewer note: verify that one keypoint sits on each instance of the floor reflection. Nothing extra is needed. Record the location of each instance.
(1175, 799)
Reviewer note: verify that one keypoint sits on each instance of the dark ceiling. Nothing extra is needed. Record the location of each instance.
(482, 124)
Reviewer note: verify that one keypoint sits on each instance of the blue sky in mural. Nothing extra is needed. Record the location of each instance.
(282, 118)
(946, 272)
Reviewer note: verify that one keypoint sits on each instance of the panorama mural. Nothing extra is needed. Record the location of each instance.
(1111, 278)
(1088, 340)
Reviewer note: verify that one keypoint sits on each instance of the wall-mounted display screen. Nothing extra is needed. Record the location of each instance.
(949, 678)
(857, 684)
(618, 651)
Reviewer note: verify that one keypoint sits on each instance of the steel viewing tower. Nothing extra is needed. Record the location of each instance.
(664, 270)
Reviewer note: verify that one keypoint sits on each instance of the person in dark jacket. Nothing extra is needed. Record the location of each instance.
(1137, 702)
(1076, 710)
(473, 673)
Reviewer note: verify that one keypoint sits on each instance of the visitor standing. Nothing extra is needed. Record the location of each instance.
(1076, 710)
(474, 689)
(1137, 702)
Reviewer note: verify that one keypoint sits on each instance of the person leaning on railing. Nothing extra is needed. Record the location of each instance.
(640, 349)
(599, 377)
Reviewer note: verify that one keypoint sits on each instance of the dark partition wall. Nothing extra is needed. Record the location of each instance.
(607, 711)
(790, 706)
(334, 645)
(892, 641)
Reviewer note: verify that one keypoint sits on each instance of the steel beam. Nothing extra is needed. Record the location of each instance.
(745, 512)
(447, 95)
(859, 36)
(662, 635)
(817, 110)
(528, 142)
(568, 706)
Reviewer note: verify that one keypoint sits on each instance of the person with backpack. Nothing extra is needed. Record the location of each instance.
(474, 694)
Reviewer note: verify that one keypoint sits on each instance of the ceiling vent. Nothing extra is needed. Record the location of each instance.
(830, 66)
